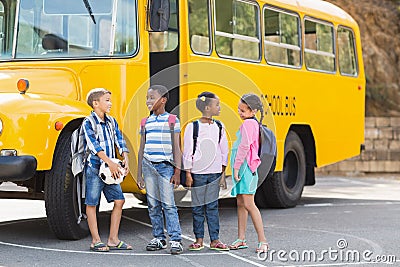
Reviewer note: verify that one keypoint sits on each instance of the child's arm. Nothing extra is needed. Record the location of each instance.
(114, 167)
(246, 130)
(223, 144)
(222, 180)
(176, 178)
(121, 145)
(139, 176)
(96, 149)
(187, 153)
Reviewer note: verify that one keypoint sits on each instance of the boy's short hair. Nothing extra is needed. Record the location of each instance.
(204, 99)
(161, 89)
(95, 94)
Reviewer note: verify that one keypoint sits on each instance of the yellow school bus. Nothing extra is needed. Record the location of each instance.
(302, 57)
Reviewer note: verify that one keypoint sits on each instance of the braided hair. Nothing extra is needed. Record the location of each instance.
(253, 102)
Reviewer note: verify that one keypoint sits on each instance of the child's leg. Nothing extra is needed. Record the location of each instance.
(242, 216)
(198, 206)
(211, 207)
(92, 222)
(255, 214)
(152, 179)
(168, 202)
(113, 193)
(94, 186)
(116, 214)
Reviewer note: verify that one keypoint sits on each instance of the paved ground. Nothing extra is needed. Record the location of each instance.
(339, 222)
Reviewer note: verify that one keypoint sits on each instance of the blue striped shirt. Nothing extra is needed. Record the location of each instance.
(103, 139)
(158, 146)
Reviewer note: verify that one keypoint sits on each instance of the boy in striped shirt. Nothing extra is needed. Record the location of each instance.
(101, 139)
(156, 163)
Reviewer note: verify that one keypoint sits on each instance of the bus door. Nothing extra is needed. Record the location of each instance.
(164, 49)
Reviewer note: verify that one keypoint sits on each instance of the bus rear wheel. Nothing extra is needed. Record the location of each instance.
(284, 189)
(61, 195)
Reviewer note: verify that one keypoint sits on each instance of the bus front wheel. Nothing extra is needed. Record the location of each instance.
(61, 195)
(284, 189)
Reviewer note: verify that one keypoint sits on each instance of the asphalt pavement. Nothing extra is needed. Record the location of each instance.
(340, 221)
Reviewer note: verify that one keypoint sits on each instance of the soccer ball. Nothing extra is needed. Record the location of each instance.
(105, 173)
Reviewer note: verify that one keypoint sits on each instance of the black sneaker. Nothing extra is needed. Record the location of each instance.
(156, 244)
(176, 247)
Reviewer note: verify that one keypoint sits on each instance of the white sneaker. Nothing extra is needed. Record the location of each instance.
(176, 247)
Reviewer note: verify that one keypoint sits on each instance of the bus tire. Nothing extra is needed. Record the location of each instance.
(284, 189)
(141, 197)
(61, 195)
(260, 197)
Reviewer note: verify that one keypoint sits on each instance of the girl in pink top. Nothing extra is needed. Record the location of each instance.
(205, 167)
(245, 161)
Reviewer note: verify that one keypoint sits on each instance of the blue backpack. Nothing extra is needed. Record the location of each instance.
(266, 152)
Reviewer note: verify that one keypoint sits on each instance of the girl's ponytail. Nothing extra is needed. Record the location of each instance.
(262, 113)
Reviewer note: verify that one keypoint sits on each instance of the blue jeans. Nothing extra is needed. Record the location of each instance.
(94, 186)
(205, 193)
(160, 197)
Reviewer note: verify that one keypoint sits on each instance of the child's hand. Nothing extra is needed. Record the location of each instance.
(126, 164)
(115, 169)
(189, 179)
(176, 179)
(236, 175)
(140, 182)
(222, 181)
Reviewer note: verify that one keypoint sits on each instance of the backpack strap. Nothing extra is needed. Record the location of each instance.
(81, 183)
(220, 130)
(171, 123)
(143, 126)
(195, 135)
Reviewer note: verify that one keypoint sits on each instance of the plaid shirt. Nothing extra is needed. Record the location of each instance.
(103, 139)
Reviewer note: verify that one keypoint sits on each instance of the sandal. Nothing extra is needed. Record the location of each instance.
(99, 247)
(219, 246)
(121, 246)
(238, 244)
(196, 247)
(262, 247)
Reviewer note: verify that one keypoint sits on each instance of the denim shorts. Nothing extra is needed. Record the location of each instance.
(94, 187)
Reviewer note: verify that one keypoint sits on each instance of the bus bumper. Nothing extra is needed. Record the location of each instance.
(17, 168)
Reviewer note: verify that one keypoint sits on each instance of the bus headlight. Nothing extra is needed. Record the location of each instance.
(1, 126)
(8, 152)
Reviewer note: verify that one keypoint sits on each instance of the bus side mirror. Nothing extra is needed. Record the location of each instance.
(159, 15)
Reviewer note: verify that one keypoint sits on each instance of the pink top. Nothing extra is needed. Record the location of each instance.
(248, 147)
(210, 155)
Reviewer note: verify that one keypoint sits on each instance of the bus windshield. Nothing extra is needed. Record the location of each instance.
(51, 28)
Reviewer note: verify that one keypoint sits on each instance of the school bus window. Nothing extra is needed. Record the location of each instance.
(347, 53)
(319, 46)
(126, 41)
(237, 31)
(29, 41)
(282, 38)
(50, 30)
(199, 26)
(76, 7)
(168, 40)
(82, 44)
